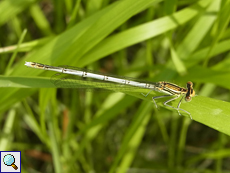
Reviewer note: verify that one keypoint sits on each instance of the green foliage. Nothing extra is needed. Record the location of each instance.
(176, 41)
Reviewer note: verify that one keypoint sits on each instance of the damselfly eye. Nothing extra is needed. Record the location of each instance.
(188, 99)
(189, 84)
(192, 93)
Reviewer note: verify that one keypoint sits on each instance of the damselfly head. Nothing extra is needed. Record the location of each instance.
(190, 93)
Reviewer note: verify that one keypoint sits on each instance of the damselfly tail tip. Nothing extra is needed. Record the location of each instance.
(27, 63)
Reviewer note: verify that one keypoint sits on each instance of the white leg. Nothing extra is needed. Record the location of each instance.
(145, 95)
(165, 103)
(158, 97)
(178, 106)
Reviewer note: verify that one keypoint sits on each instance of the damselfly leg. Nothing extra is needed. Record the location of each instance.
(145, 95)
(174, 98)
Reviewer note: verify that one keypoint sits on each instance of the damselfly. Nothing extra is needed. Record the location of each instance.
(62, 79)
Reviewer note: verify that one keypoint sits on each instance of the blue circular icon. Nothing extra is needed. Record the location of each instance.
(8, 159)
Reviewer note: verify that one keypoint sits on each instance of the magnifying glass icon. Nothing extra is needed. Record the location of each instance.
(9, 160)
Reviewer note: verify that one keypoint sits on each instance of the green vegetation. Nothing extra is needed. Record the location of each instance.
(70, 130)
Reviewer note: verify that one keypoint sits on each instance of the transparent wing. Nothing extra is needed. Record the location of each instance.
(62, 80)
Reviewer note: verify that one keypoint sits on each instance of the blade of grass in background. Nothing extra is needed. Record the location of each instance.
(132, 139)
(10, 8)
